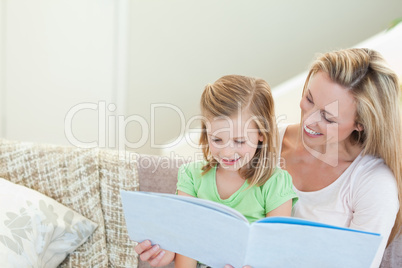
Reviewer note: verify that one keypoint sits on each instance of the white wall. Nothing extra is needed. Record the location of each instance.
(57, 54)
(2, 74)
(287, 95)
(176, 47)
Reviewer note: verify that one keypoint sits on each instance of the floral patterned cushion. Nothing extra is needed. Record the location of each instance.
(36, 230)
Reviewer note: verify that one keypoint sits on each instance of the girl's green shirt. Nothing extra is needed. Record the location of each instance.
(254, 203)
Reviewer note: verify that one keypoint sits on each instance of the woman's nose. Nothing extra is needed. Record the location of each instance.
(312, 118)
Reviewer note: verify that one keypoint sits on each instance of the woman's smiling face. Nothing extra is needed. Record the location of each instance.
(328, 112)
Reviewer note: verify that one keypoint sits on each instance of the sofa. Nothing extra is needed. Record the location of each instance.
(88, 181)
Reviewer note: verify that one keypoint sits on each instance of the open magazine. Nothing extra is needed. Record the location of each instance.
(216, 235)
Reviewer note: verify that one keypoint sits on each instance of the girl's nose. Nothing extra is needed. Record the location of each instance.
(229, 149)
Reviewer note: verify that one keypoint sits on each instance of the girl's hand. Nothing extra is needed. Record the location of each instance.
(154, 255)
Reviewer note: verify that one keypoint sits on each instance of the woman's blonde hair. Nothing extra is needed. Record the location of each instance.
(225, 98)
(376, 90)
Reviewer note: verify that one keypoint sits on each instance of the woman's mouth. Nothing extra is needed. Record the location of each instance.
(311, 132)
(230, 162)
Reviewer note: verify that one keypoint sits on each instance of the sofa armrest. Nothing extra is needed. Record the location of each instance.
(117, 171)
(393, 254)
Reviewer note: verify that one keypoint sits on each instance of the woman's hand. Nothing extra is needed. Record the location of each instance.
(153, 254)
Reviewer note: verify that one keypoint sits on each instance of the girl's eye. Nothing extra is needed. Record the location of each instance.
(240, 142)
(308, 99)
(216, 140)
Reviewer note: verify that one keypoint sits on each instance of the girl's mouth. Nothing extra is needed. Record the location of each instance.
(311, 133)
(230, 162)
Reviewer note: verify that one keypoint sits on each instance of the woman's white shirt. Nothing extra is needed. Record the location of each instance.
(364, 197)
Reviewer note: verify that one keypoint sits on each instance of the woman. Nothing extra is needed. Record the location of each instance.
(344, 156)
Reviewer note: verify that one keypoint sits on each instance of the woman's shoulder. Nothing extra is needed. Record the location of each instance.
(288, 137)
(371, 171)
(282, 127)
(370, 164)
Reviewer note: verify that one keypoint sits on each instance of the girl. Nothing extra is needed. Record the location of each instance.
(240, 145)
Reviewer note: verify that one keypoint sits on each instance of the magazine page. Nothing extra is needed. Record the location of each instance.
(299, 221)
(205, 203)
(292, 242)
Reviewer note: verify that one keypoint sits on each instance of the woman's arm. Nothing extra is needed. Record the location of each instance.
(375, 204)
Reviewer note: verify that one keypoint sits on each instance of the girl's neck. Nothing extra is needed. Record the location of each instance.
(228, 174)
(228, 182)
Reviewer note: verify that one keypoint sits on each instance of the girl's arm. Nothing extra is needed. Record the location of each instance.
(283, 210)
(184, 262)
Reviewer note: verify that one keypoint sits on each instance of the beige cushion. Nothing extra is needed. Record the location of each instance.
(35, 230)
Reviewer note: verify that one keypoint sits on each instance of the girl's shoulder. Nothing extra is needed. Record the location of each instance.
(280, 174)
(279, 187)
(279, 178)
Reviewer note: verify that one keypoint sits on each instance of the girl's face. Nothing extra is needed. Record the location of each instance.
(328, 112)
(233, 140)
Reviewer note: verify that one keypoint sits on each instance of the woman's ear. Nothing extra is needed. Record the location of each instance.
(359, 127)
(260, 137)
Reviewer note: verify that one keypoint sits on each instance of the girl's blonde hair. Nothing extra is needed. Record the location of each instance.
(225, 98)
(376, 90)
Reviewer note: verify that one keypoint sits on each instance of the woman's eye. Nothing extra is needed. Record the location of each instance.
(240, 142)
(308, 99)
(326, 119)
(216, 140)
